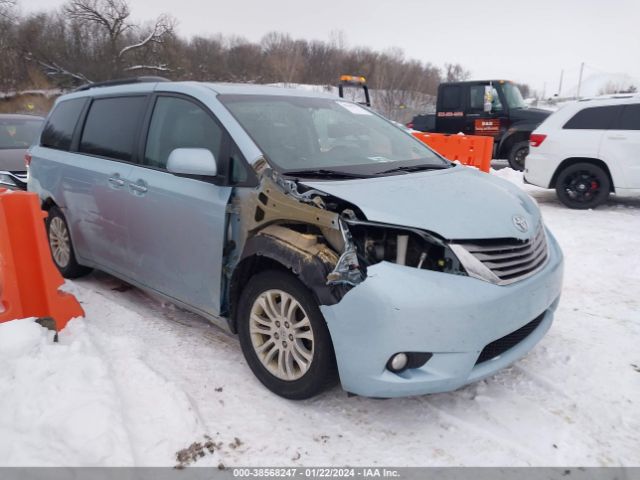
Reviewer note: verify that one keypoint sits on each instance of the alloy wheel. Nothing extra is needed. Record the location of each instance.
(281, 335)
(520, 157)
(59, 242)
(581, 186)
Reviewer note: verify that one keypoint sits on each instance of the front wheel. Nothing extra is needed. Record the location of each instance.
(284, 337)
(517, 155)
(583, 185)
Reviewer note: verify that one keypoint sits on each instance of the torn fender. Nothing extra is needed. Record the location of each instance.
(310, 260)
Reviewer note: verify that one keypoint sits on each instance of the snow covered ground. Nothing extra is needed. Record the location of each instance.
(139, 380)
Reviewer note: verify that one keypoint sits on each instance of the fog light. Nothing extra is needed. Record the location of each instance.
(398, 362)
(407, 360)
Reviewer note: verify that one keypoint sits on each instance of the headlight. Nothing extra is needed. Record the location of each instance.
(376, 242)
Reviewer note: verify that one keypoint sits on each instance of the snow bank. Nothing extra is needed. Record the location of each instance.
(84, 401)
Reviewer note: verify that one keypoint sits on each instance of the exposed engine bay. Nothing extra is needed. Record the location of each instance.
(309, 217)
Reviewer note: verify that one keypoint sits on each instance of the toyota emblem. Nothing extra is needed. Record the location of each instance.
(520, 222)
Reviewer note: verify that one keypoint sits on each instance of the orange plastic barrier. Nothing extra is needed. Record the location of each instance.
(29, 280)
(473, 150)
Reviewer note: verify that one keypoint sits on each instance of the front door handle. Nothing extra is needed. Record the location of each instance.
(138, 188)
(616, 137)
(116, 181)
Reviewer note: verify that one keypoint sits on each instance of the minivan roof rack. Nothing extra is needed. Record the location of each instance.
(121, 81)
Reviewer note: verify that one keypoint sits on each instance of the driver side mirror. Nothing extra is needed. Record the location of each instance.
(192, 161)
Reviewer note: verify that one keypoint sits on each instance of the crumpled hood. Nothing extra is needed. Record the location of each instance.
(457, 203)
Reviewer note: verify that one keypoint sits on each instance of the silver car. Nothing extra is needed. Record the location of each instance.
(17, 134)
(331, 241)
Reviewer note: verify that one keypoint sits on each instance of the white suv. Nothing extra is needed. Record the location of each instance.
(587, 150)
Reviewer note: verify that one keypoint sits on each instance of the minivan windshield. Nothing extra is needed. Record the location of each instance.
(327, 137)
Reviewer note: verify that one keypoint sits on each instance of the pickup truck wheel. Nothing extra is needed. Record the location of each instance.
(582, 186)
(517, 154)
(284, 337)
(61, 246)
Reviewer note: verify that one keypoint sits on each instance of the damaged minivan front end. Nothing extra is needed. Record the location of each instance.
(426, 280)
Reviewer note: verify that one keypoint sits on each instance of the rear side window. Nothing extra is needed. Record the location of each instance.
(595, 118)
(451, 98)
(111, 127)
(629, 119)
(58, 132)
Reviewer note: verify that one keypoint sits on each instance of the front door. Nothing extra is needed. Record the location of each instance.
(479, 122)
(178, 224)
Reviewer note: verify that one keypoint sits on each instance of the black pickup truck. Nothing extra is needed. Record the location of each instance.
(485, 107)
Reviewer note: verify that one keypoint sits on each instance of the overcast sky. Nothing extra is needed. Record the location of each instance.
(529, 42)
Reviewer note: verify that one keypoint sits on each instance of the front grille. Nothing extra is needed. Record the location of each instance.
(511, 259)
(498, 347)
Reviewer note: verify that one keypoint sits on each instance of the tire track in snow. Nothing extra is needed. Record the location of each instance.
(152, 405)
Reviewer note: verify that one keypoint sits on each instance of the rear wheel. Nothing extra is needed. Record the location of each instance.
(284, 337)
(517, 155)
(61, 246)
(583, 185)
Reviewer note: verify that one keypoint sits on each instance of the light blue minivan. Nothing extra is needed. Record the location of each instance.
(331, 241)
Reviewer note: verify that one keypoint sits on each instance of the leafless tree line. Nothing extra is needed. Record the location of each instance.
(94, 40)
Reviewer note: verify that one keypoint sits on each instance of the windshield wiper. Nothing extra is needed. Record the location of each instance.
(323, 173)
(413, 168)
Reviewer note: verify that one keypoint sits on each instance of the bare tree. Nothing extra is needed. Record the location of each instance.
(7, 9)
(284, 56)
(123, 39)
(456, 73)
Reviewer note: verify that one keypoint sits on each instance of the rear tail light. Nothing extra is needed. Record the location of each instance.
(27, 159)
(536, 139)
(410, 125)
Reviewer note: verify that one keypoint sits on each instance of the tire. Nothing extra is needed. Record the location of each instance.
(61, 247)
(583, 185)
(517, 154)
(262, 299)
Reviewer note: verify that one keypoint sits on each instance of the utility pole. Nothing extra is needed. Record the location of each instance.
(560, 86)
(580, 80)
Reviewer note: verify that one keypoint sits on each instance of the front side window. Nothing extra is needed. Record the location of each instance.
(298, 133)
(58, 132)
(180, 123)
(595, 118)
(111, 127)
(18, 133)
(477, 98)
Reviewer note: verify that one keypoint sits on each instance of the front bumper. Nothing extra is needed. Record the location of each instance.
(404, 309)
